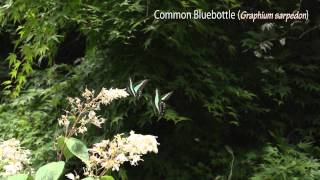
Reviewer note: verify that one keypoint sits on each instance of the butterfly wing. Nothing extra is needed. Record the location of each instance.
(157, 101)
(130, 89)
(139, 87)
(166, 96)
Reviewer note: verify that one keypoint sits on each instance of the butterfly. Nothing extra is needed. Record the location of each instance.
(136, 90)
(159, 102)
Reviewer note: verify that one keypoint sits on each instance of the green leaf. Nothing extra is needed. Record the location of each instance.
(88, 178)
(27, 68)
(106, 178)
(7, 82)
(12, 58)
(228, 148)
(19, 177)
(51, 171)
(172, 115)
(78, 148)
(62, 146)
(13, 73)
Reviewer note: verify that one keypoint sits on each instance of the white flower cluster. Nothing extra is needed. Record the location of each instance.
(84, 112)
(109, 155)
(106, 96)
(13, 158)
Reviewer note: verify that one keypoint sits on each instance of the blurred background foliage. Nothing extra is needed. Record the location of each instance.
(251, 87)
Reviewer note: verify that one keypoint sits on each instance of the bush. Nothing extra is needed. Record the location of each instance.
(286, 163)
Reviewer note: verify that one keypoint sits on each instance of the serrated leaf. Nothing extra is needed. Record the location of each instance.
(12, 58)
(7, 82)
(13, 73)
(27, 68)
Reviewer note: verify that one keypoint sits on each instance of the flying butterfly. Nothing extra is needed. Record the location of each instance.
(136, 90)
(159, 102)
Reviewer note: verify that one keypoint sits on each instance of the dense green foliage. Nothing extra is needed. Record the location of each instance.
(290, 164)
(239, 84)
